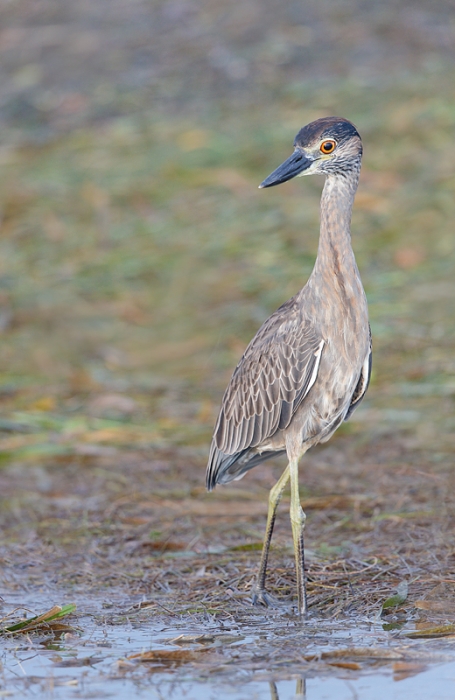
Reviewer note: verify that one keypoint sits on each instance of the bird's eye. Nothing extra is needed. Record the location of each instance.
(328, 146)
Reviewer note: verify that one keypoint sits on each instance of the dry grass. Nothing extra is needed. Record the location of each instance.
(134, 525)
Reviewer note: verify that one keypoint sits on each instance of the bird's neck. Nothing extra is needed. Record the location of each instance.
(335, 254)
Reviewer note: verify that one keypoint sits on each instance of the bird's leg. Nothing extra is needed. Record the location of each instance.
(298, 518)
(260, 595)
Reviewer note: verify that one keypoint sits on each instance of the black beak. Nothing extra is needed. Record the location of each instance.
(291, 167)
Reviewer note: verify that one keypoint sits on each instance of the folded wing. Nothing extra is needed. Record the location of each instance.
(270, 382)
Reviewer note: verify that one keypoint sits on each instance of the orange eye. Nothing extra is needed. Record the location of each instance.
(328, 146)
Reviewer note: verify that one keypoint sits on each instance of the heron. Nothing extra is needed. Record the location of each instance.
(309, 365)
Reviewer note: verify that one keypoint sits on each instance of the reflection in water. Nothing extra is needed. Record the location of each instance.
(28, 671)
(300, 690)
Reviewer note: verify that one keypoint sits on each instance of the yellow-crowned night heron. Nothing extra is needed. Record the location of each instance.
(309, 365)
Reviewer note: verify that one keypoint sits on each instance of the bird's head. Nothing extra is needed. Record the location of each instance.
(327, 146)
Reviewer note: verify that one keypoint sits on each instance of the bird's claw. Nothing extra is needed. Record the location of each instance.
(261, 597)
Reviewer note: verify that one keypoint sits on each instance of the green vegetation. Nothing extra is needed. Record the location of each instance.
(140, 256)
(45, 622)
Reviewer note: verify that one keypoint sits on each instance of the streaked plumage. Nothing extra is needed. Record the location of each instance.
(308, 367)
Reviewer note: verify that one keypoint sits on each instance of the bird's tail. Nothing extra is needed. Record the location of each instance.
(223, 468)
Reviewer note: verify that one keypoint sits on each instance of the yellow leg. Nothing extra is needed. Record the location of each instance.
(260, 595)
(298, 518)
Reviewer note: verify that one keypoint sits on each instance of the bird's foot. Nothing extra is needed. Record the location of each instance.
(261, 597)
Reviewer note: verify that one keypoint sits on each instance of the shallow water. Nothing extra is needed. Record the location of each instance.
(256, 660)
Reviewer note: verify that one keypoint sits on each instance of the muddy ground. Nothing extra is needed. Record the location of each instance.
(156, 566)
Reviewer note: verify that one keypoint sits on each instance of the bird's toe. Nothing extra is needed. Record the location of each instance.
(261, 597)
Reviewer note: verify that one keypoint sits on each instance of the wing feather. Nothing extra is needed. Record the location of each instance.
(270, 382)
(362, 384)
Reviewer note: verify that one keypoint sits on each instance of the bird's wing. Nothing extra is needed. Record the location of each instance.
(273, 377)
(362, 384)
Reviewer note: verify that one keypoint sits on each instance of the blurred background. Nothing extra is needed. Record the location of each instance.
(138, 257)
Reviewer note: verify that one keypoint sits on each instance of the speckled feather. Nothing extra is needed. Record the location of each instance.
(308, 367)
(269, 382)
